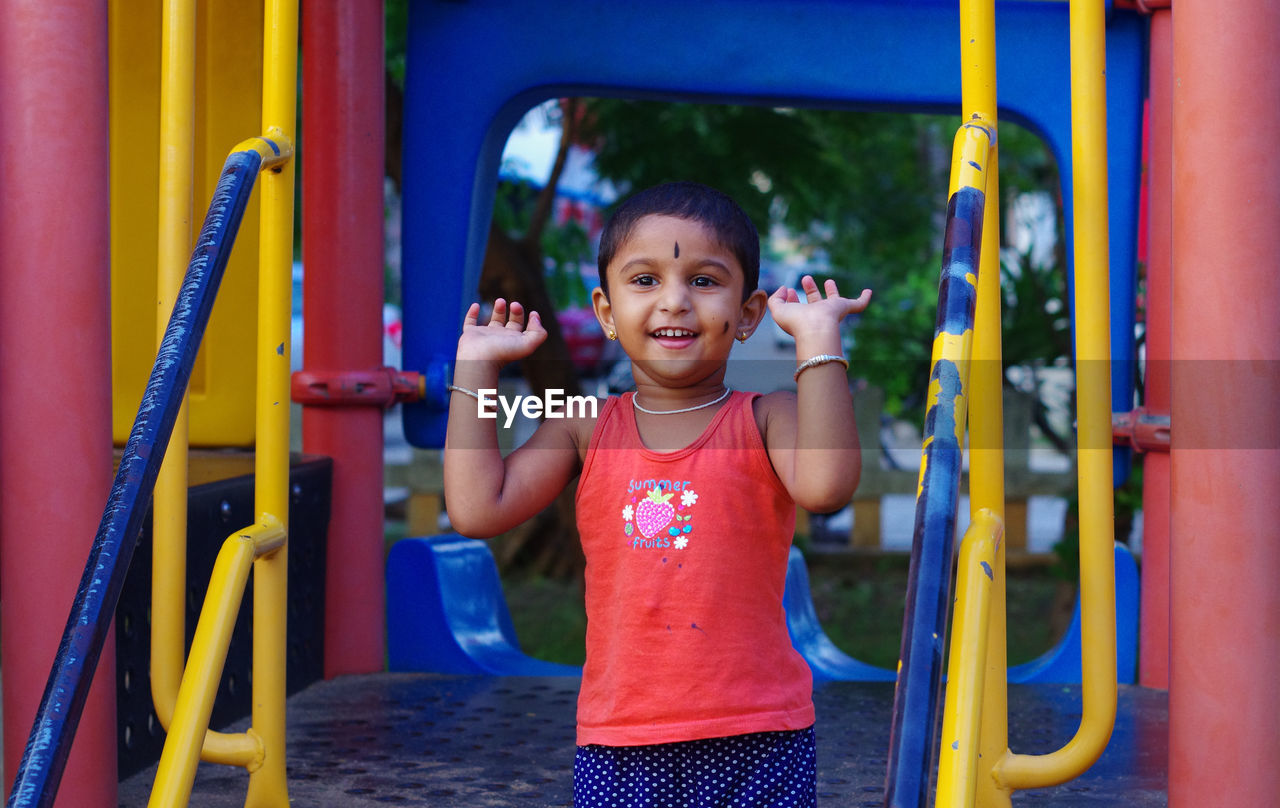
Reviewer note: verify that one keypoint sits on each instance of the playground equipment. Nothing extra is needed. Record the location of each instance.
(1223, 660)
(447, 614)
(261, 546)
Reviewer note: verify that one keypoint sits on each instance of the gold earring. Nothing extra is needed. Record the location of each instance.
(742, 336)
(611, 334)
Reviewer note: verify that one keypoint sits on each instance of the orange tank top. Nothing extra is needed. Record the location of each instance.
(686, 564)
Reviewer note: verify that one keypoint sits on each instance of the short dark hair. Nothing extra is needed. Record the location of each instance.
(729, 224)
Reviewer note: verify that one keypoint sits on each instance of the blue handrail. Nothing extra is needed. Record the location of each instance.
(915, 703)
(48, 745)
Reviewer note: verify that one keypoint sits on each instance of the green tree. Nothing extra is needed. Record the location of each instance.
(863, 194)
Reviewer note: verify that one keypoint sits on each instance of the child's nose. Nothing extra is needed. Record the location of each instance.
(675, 298)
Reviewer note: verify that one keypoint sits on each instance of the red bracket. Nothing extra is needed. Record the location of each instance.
(381, 387)
(1144, 431)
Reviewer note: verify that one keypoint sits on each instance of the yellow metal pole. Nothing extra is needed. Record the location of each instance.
(986, 492)
(169, 510)
(978, 58)
(958, 756)
(193, 702)
(169, 525)
(1093, 383)
(267, 784)
(181, 755)
(986, 416)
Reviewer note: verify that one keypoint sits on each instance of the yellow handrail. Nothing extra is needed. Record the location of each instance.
(986, 383)
(1093, 383)
(966, 674)
(261, 748)
(980, 769)
(169, 508)
(268, 785)
(181, 755)
(184, 709)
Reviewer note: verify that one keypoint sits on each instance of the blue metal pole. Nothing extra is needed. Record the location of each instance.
(915, 703)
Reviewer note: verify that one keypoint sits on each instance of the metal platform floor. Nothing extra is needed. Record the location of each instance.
(419, 739)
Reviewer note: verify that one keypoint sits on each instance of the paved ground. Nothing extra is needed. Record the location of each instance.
(414, 739)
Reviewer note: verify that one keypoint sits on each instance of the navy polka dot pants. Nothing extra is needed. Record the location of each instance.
(773, 769)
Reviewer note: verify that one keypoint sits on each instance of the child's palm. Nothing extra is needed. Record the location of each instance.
(506, 337)
(818, 312)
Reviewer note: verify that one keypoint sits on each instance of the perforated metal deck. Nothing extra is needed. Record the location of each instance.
(412, 739)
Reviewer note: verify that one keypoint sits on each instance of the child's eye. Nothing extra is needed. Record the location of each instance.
(644, 280)
(704, 282)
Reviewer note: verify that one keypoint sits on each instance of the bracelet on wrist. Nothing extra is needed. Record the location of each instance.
(820, 359)
(453, 388)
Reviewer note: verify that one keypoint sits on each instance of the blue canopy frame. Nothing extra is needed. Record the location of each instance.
(475, 67)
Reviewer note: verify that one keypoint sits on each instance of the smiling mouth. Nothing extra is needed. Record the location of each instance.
(674, 333)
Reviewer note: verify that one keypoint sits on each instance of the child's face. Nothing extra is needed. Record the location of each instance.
(675, 301)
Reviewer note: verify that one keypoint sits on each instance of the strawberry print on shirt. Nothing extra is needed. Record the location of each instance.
(658, 514)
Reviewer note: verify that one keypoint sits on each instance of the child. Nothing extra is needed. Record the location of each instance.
(692, 693)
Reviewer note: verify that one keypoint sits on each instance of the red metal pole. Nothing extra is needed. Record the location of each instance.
(342, 152)
(55, 362)
(1224, 736)
(1154, 643)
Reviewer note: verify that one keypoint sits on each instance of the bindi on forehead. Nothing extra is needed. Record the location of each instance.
(677, 250)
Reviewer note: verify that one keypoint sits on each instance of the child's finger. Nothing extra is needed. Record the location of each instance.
(781, 297)
(499, 316)
(810, 287)
(516, 320)
(535, 334)
(473, 315)
(854, 305)
(830, 287)
(535, 324)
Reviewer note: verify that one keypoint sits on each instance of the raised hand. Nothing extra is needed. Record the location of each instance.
(505, 338)
(819, 315)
